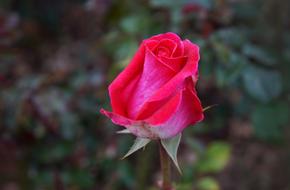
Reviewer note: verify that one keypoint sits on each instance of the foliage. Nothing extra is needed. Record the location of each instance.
(58, 57)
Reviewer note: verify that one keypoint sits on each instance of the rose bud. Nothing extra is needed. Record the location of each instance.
(154, 96)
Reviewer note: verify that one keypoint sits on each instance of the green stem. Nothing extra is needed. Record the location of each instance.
(165, 168)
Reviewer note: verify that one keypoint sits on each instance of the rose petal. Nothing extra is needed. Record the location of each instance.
(192, 51)
(166, 44)
(117, 119)
(168, 35)
(189, 69)
(163, 114)
(155, 74)
(151, 44)
(179, 51)
(162, 110)
(176, 63)
(125, 82)
(188, 113)
(176, 83)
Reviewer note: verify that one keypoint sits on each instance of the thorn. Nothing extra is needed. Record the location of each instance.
(208, 107)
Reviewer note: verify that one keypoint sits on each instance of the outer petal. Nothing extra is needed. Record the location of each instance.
(125, 82)
(188, 112)
(117, 119)
(166, 111)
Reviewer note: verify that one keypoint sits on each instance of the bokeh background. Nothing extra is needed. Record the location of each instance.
(57, 58)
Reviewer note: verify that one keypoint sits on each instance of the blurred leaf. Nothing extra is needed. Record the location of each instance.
(81, 178)
(183, 186)
(126, 173)
(139, 143)
(171, 146)
(129, 24)
(234, 37)
(268, 121)
(166, 3)
(262, 84)
(195, 144)
(69, 125)
(259, 54)
(206, 67)
(39, 131)
(11, 99)
(246, 11)
(5, 4)
(204, 3)
(125, 51)
(173, 3)
(207, 183)
(175, 9)
(215, 159)
(55, 152)
(43, 179)
(136, 23)
(222, 52)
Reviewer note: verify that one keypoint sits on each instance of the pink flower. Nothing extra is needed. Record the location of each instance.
(155, 96)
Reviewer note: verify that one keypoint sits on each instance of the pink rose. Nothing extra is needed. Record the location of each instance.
(155, 96)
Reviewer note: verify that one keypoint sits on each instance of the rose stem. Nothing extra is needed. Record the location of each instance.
(165, 168)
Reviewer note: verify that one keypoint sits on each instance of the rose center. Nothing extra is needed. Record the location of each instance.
(162, 51)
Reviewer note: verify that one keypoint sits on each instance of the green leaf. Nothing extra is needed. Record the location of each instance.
(139, 143)
(125, 171)
(141, 19)
(173, 3)
(207, 183)
(171, 146)
(81, 178)
(215, 158)
(234, 37)
(183, 186)
(262, 84)
(269, 120)
(165, 3)
(56, 153)
(259, 54)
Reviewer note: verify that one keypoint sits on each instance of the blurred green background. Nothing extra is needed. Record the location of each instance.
(57, 58)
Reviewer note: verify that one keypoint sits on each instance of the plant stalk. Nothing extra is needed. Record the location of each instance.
(165, 168)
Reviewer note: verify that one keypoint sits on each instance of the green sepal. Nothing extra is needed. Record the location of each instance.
(171, 146)
(138, 144)
(124, 131)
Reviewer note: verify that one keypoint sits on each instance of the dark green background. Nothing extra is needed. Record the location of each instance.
(57, 58)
